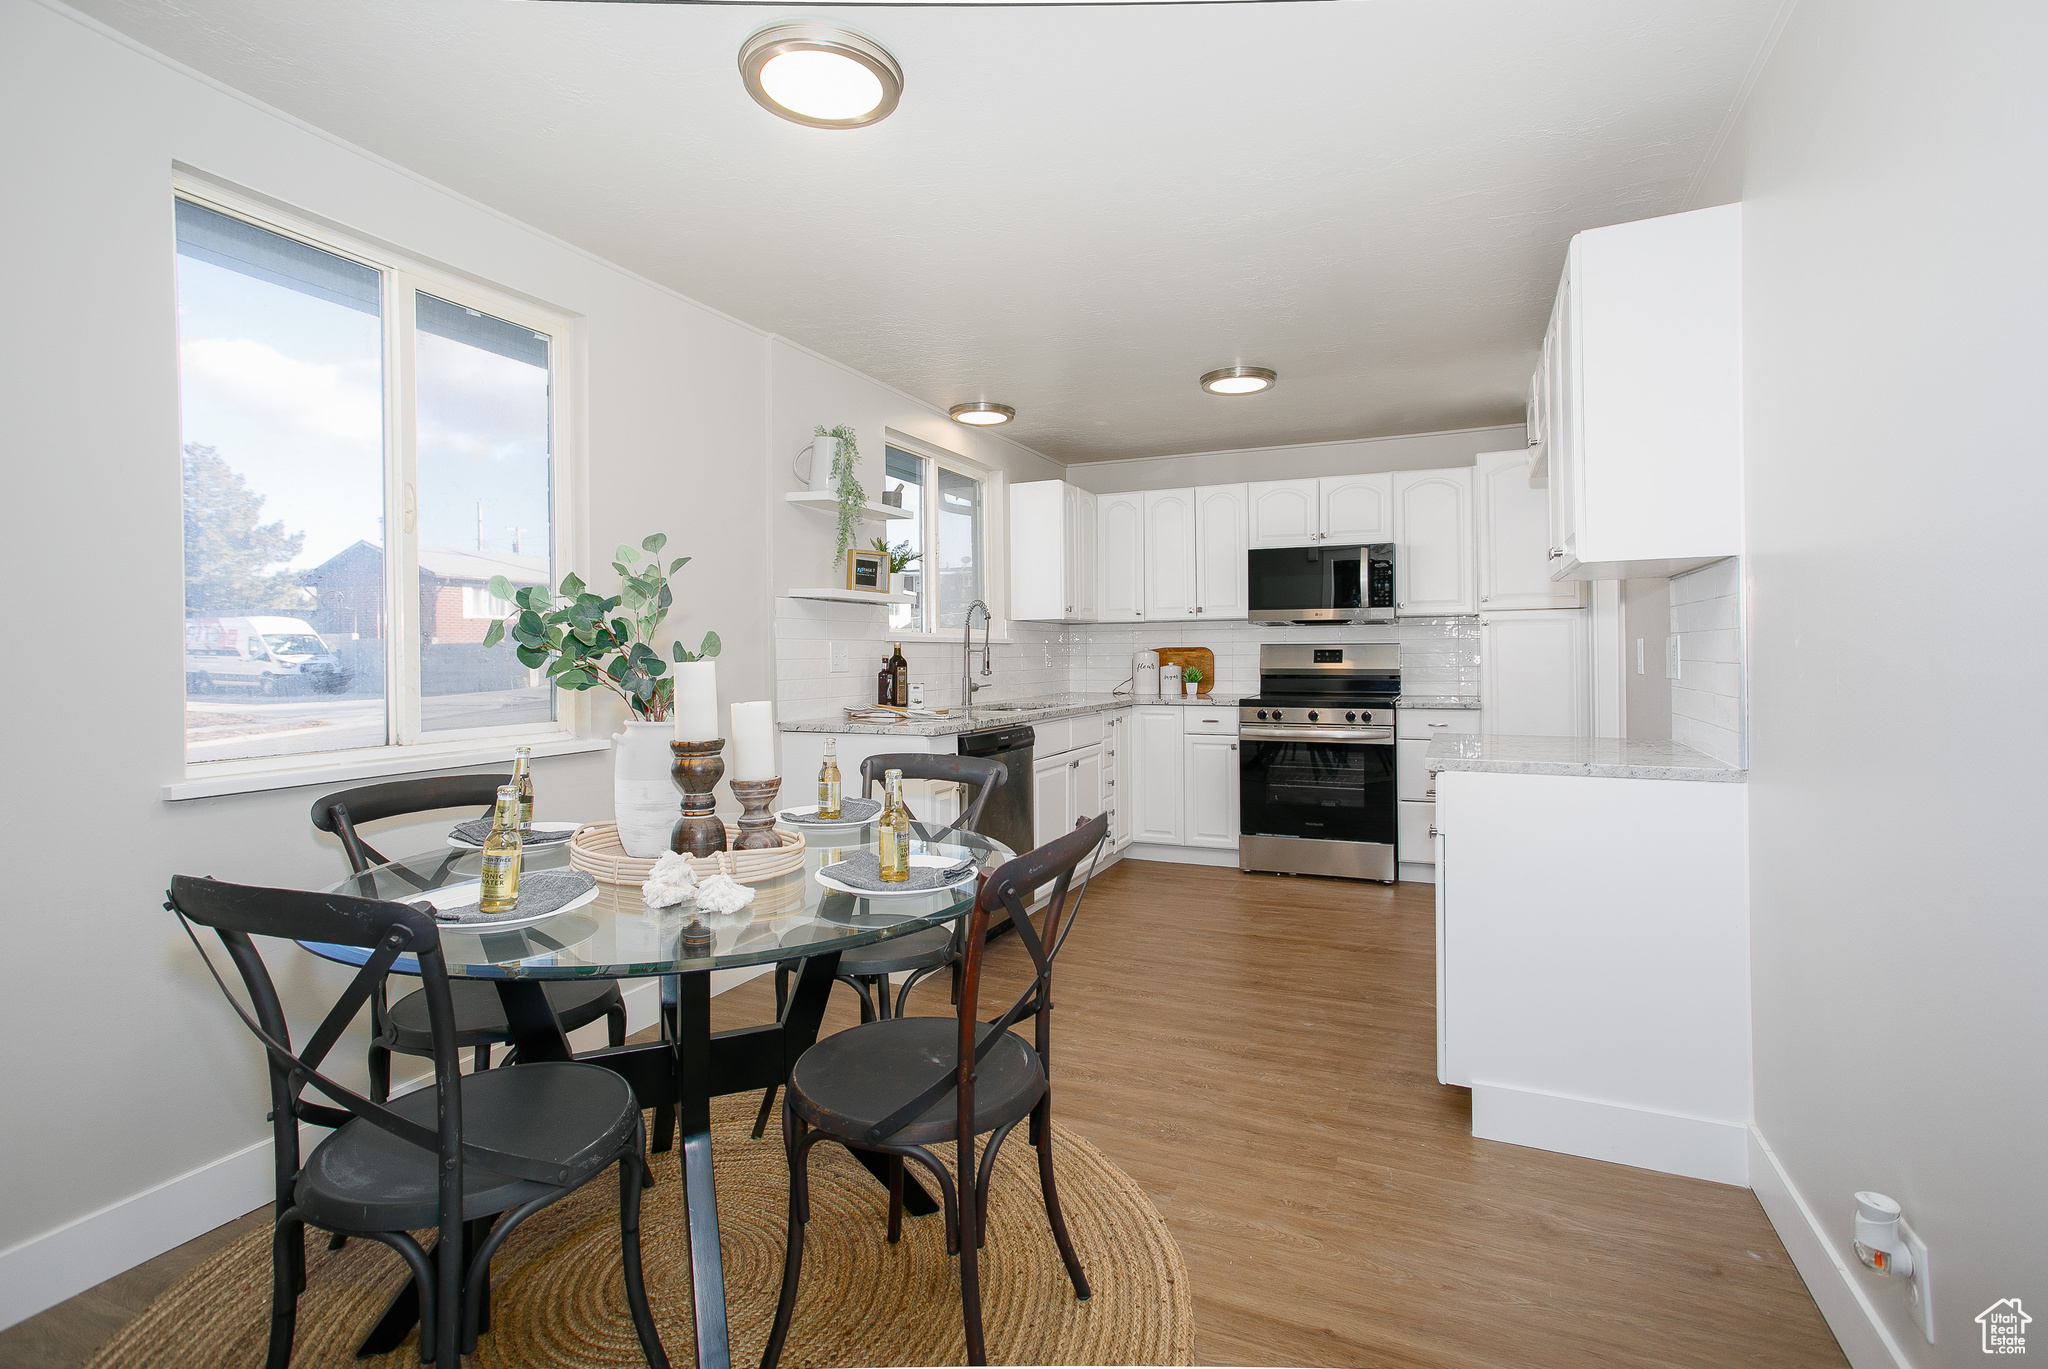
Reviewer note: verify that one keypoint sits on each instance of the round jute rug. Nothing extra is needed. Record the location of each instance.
(559, 1297)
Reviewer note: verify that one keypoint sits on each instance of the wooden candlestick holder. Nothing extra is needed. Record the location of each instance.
(757, 823)
(696, 770)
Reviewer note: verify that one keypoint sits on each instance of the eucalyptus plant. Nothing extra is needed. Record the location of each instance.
(584, 642)
(853, 500)
(901, 557)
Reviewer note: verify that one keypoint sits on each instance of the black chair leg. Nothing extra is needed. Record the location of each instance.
(970, 1274)
(285, 1280)
(799, 1213)
(615, 1024)
(664, 1128)
(480, 1059)
(336, 1241)
(1041, 1120)
(767, 1107)
(629, 1249)
(880, 984)
(380, 1074)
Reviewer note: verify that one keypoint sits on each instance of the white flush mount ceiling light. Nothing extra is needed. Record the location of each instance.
(1239, 380)
(982, 414)
(820, 76)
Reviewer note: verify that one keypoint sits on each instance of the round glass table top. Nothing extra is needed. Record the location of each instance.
(617, 936)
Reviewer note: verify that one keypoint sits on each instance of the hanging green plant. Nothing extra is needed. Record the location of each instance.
(853, 500)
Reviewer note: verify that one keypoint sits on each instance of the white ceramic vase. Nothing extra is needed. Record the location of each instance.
(645, 802)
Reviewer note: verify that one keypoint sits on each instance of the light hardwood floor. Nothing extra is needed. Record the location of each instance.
(1259, 1054)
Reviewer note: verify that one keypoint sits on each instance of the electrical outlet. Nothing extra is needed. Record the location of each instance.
(1921, 1293)
(835, 654)
(1671, 657)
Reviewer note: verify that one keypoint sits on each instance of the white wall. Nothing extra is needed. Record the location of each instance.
(1895, 337)
(1415, 452)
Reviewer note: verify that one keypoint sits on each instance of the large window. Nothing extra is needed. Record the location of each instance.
(943, 540)
(364, 447)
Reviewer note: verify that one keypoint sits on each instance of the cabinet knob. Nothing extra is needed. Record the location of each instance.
(1433, 832)
(1557, 553)
(1070, 608)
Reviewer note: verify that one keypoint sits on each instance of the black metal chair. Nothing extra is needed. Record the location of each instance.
(473, 1156)
(873, 1087)
(866, 969)
(402, 1027)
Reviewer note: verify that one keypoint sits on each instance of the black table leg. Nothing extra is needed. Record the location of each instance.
(700, 1194)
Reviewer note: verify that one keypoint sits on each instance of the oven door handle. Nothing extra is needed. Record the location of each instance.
(1378, 736)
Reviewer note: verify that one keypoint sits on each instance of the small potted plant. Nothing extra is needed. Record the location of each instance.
(582, 642)
(1191, 680)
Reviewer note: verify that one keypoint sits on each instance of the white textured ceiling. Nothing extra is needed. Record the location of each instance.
(1076, 210)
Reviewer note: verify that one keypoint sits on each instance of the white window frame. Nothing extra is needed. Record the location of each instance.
(993, 527)
(406, 748)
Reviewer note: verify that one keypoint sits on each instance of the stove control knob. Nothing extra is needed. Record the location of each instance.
(1262, 715)
(1313, 715)
(1350, 717)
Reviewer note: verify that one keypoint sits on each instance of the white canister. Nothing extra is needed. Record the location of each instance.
(645, 802)
(1145, 675)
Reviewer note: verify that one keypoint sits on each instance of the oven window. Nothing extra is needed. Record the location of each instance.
(1331, 791)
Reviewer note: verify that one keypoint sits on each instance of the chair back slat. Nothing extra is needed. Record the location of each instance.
(344, 810)
(1009, 886)
(983, 777)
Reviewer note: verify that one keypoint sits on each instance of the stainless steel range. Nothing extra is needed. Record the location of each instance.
(1316, 786)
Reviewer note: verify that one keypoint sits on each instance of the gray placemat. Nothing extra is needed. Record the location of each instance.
(864, 871)
(540, 892)
(476, 829)
(850, 810)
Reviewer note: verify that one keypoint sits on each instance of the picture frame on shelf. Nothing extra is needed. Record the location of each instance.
(867, 570)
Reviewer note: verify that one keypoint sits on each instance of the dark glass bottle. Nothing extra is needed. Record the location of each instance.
(885, 683)
(900, 668)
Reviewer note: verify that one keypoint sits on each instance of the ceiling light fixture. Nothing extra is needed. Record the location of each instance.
(1240, 380)
(820, 76)
(981, 413)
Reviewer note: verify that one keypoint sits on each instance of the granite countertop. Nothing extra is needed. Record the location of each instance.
(1601, 757)
(1465, 701)
(1045, 708)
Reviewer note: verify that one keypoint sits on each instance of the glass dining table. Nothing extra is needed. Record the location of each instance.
(793, 918)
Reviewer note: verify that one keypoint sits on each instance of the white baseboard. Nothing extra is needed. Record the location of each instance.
(1666, 1142)
(44, 1270)
(1837, 1286)
(1416, 872)
(1181, 855)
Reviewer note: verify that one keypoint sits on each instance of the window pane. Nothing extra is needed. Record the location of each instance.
(281, 383)
(959, 535)
(482, 389)
(906, 536)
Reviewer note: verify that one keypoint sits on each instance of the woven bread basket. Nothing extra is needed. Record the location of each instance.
(595, 850)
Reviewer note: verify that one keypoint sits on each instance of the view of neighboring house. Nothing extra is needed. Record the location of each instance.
(455, 602)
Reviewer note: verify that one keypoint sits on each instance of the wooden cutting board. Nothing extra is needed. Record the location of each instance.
(1200, 657)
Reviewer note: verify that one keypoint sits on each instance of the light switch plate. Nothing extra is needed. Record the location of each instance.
(835, 653)
(1671, 657)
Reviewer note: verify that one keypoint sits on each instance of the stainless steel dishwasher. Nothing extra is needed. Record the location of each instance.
(1008, 816)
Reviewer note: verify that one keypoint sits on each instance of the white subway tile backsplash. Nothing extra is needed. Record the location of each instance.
(1706, 699)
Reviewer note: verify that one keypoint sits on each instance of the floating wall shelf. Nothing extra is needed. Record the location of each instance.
(819, 499)
(853, 596)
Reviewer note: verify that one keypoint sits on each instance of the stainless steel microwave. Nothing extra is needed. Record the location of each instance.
(1321, 584)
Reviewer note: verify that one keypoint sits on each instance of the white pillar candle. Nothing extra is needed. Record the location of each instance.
(753, 741)
(696, 703)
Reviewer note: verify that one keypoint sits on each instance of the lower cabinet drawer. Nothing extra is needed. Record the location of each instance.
(1411, 769)
(1417, 844)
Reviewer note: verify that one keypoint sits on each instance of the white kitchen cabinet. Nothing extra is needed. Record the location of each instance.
(1415, 832)
(1514, 538)
(1087, 793)
(1052, 552)
(1156, 775)
(1052, 793)
(1643, 372)
(1169, 531)
(1428, 724)
(1357, 508)
(1120, 558)
(1535, 677)
(1222, 523)
(1285, 513)
(1412, 780)
(1433, 564)
(1209, 791)
(1116, 778)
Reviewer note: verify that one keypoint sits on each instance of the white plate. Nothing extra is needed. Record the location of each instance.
(469, 892)
(462, 845)
(935, 862)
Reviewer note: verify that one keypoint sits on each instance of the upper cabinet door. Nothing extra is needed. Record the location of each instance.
(1514, 538)
(1357, 508)
(1120, 558)
(1080, 555)
(1169, 554)
(1221, 525)
(1285, 513)
(1433, 570)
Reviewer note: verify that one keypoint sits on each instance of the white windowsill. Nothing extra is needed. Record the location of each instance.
(291, 772)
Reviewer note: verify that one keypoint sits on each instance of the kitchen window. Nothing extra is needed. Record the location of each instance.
(365, 444)
(946, 534)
